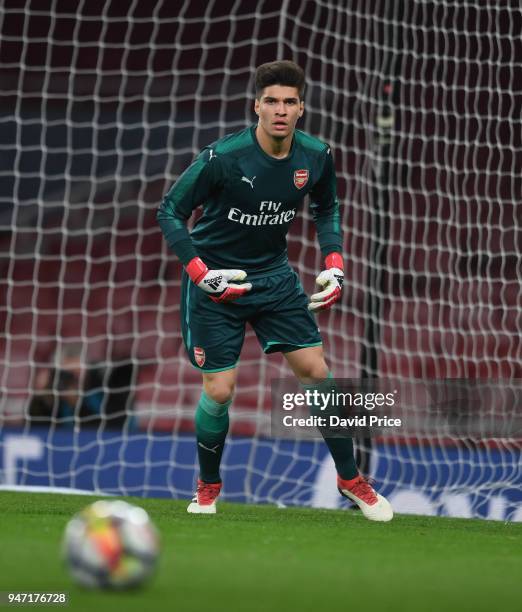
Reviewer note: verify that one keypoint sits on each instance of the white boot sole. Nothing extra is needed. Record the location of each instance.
(381, 511)
(195, 508)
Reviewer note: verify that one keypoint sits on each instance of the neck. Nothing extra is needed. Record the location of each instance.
(275, 147)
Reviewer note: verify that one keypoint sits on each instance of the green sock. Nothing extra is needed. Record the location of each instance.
(341, 449)
(211, 431)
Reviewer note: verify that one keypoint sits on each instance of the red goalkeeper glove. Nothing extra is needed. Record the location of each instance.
(331, 280)
(216, 282)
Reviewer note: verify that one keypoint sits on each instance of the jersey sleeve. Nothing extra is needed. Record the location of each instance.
(324, 205)
(196, 185)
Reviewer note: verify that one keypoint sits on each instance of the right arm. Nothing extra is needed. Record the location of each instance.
(202, 178)
(193, 188)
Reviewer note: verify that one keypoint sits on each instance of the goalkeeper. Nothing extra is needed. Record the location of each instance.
(251, 185)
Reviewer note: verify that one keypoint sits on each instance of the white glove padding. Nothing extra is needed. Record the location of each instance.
(216, 284)
(331, 281)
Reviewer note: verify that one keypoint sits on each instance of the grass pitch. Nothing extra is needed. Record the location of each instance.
(261, 558)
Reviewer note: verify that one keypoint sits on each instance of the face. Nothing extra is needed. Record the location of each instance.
(75, 366)
(278, 109)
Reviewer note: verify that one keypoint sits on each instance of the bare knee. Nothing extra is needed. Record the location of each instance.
(317, 370)
(308, 364)
(220, 386)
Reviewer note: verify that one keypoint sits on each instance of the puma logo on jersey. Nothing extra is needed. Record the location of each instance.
(249, 181)
(212, 450)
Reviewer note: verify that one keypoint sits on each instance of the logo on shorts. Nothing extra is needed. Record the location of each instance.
(300, 178)
(199, 355)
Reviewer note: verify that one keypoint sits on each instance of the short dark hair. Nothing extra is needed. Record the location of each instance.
(282, 72)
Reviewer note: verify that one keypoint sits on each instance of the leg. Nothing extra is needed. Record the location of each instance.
(309, 365)
(213, 336)
(212, 421)
(211, 432)
(219, 386)
(290, 328)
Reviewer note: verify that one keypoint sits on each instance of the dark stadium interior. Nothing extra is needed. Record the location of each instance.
(92, 135)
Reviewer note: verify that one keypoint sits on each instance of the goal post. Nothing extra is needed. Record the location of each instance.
(102, 107)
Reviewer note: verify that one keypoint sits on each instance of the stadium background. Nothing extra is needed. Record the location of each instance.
(103, 107)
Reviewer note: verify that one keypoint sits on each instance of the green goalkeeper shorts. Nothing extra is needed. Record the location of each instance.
(276, 307)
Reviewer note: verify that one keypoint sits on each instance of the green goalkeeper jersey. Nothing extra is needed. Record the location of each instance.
(249, 201)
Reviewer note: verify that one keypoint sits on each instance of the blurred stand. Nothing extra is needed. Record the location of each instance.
(73, 393)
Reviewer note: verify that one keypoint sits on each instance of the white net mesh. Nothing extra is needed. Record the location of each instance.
(102, 107)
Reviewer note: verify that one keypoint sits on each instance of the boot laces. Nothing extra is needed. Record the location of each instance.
(363, 490)
(207, 492)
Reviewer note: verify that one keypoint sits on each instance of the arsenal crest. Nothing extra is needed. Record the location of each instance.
(199, 355)
(300, 178)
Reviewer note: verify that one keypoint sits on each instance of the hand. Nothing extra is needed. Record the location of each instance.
(331, 280)
(216, 282)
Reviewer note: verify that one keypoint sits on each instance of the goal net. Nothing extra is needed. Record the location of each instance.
(103, 105)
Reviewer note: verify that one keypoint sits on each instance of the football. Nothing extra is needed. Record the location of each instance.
(111, 544)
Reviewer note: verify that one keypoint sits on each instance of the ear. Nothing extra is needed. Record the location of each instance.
(256, 106)
(301, 108)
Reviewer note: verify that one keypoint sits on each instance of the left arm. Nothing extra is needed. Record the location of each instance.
(327, 218)
(325, 209)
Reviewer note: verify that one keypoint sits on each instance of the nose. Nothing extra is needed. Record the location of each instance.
(281, 108)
